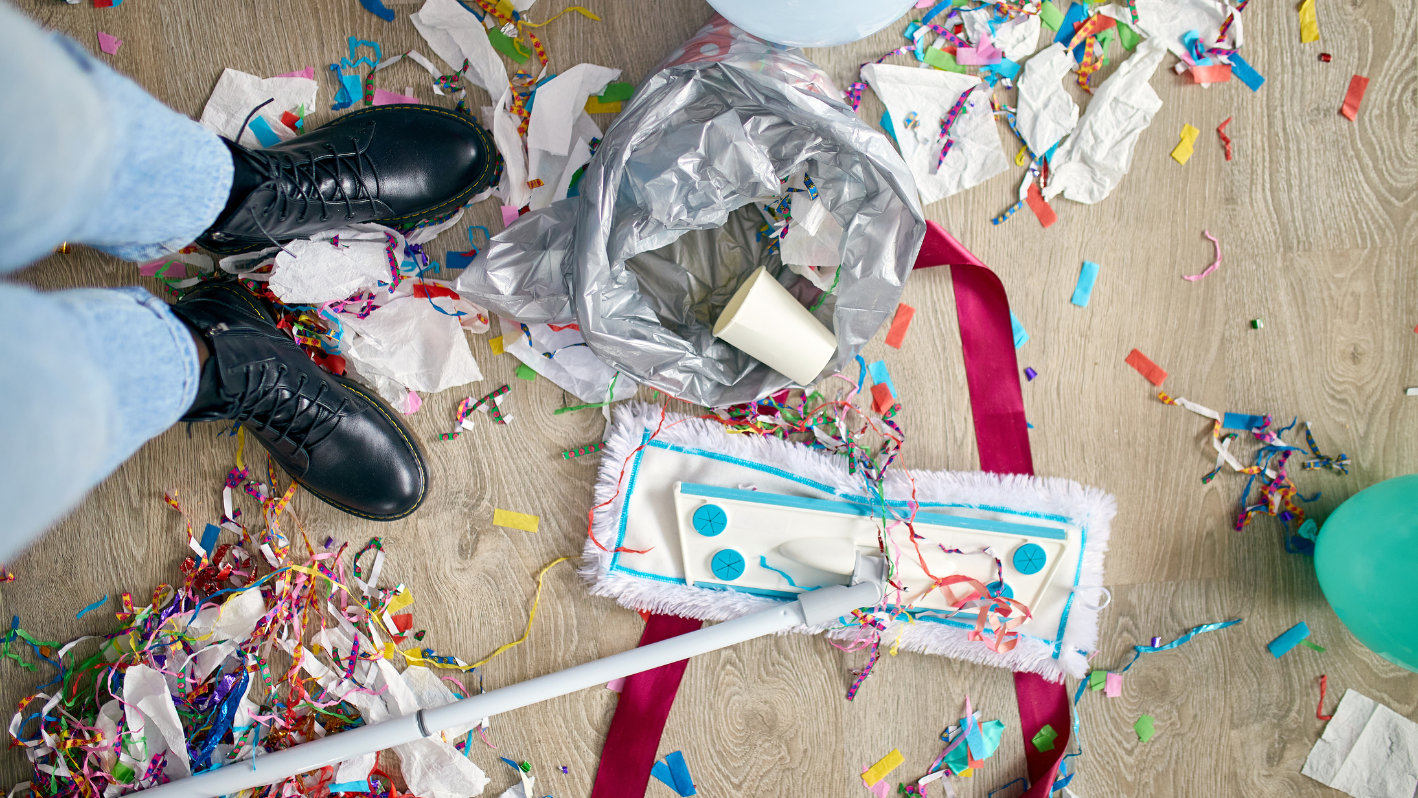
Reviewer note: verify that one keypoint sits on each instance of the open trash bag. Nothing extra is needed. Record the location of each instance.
(687, 195)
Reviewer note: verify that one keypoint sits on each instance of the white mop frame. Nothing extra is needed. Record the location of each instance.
(699, 451)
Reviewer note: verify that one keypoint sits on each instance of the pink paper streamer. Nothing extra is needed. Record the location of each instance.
(109, 43)
(308, 73)
(1213, 266)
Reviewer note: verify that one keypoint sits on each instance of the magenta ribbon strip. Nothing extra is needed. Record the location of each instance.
(1002, 437)
(640, 714)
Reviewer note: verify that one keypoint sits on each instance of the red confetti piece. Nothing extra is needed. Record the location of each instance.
(1146, 368)
(899, 324)
(881, 398)
(1040, 206)
(1326, 57)
(1216, 73)
(1357, 86)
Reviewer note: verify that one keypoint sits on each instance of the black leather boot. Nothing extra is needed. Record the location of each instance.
(398, 165)
(333, 436)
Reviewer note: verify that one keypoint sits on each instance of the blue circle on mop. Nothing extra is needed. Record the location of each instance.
(710, 520)
(1029, 559)
(727, 565)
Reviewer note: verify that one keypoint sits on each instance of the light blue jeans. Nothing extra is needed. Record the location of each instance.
(87, 376)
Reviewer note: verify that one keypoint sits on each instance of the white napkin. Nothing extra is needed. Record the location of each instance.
(237, 93)
(1046, 112)
(1367, 750)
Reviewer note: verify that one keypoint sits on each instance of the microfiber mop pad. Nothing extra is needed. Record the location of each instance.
(647, 572)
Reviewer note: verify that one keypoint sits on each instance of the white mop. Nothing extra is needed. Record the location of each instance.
(644, 516)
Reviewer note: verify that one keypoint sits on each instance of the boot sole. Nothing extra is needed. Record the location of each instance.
(412, 220)
(409, 441)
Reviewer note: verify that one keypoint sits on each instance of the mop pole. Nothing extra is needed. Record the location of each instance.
(812, 608)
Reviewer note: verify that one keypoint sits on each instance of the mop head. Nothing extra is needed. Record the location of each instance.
(645, 505)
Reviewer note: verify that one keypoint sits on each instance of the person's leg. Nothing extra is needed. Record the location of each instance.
(88, 376)
(87, 156)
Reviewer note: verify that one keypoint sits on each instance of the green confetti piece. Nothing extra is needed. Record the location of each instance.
(1320, 649)
(504, 44)
(1050, 15)
(1128, 37)
(1144, 728)
(123, 773)
(1096, 679)
(617, 92)
(940, 59)
(526, 372)
(1044, 740)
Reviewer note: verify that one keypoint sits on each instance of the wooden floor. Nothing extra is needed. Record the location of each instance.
(1318, 221)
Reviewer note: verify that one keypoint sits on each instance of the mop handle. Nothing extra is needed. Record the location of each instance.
(811, 609)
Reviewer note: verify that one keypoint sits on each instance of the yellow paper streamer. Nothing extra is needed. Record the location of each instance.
(240, 446)
(531, 616)
(577, 9)
(1309, 23)
(511, 520)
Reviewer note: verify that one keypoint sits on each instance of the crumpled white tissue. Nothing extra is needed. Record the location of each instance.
(575, 369)
(1046, 112)
(976, 155)
(1092, 161)
(406, 345)
(1019, 37)
(513, 189)
(813, 247)
(559, 100)
(455, 34)
(976, 21)
(1368, 751)
(237, 93)
(553, 170)
(148, 708)
(315, 271)
(1169, 20)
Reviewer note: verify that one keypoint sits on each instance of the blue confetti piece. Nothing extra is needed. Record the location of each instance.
(1008, 68)
(378, 9)
(684, 785)
(92, 607)
(1086, 278)
(879, 374)
(460, 260)
(1020, 336)
(1241, 421)
(349, 786)
(209, 538)
(263, 131)
(1245, 73)
(1282, 644)
(1076, 14)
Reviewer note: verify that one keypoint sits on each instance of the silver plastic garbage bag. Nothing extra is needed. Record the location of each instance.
(667, 224)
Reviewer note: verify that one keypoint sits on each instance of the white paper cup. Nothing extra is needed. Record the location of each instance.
(767, 323)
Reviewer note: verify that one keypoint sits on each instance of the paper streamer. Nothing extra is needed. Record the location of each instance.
(1216, 264)
(1196, 630)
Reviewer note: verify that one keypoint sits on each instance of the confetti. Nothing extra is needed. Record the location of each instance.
(1214, 265)
(1256, 324)
(1020, 336)
(1044, 740)
(1183, 151)
(581, 451)
(511, 520)
(899, 324)
(109, 43)
(1309, 22)
(1146, 367)
(1113, 687)
(1030, 373)
(1357, 86)
(526, 372)
(594, 106)
(1083, 291)
(1326, 57)
(1040, 206)
(1144, 728)
(883, 767)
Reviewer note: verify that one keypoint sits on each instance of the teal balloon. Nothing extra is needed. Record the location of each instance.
(1367, 561)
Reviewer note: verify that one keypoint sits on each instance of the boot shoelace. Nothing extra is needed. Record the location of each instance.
(284, 173)
(261, 402)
